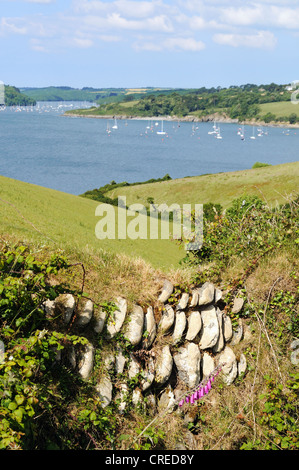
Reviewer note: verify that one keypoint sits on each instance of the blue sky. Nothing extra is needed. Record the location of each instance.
(166, 43)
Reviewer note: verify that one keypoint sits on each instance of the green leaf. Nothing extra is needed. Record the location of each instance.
(19, 399)
(93, 416)
(12, 406)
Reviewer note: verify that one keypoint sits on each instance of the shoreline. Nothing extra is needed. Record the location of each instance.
(208, 118)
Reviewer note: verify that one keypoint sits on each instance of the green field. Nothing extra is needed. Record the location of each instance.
(36, 214)
(280, 109)
(271, 183)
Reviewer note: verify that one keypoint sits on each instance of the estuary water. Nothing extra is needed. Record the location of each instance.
(40, 145)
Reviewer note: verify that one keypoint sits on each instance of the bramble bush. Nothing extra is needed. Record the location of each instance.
(43, 405)
(248, 230)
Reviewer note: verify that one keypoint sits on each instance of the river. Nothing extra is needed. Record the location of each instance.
(40, 145)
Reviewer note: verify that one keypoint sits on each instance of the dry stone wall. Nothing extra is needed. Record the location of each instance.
(143, 354)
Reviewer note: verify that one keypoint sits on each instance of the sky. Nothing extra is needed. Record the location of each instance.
(157, 43)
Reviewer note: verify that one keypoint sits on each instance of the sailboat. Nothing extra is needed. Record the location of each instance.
(161, 132)
(115, 124)
(253, 136)
(108, 128)
(215, 130)
(242, 135)
(218, 136)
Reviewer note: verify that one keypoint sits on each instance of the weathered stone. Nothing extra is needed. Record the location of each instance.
(220, 342)
(133, 367)
(86, 361)
(109, 360)
(210, 328)
(242, 365)
(134, 327)
(183, 301)
(194, 299)
(148, 374)
(230, 368)
(117, 318)
(84, 312)
(238, 334)
(167, 400)
(72, 357)
(120, 360)
(295, 357)
(137, 398)
(167, 290)
(237, 305)
(149, 328)
(163, 366)
(65, 305)
(104, 390)
(167, 320)
(99, 320)
(49, 307)
(187, 361)
(217, 295)
(122, 396)
(206, 294)
(194, 325)
(151, 403)
(294, 346)
(227, 328)
(208, 365)
(179, 326)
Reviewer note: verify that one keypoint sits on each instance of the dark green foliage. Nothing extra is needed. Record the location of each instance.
(248, 229)
(100, 194)
(43, 405)
(13, 97)
(260, 165)
(279, 418)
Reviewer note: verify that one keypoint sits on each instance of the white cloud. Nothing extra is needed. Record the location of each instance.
(157, 24)
(261, 40)
(183, 44)
(12, 26)
(115, 21)
(261, 14)
(171, 44)
(82, 43)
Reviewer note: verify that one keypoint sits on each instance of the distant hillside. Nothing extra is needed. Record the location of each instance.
(14, 97)
(243, 103)
(98, 95)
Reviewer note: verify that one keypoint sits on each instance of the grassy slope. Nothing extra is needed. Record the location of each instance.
(272, 183)
(70, 222)
(281, 108)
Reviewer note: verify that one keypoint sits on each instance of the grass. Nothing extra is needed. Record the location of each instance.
(229, 416)
(271, 183)
(281, 108)
(65, 221)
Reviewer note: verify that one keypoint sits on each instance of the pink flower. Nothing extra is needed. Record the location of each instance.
(181, 402)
